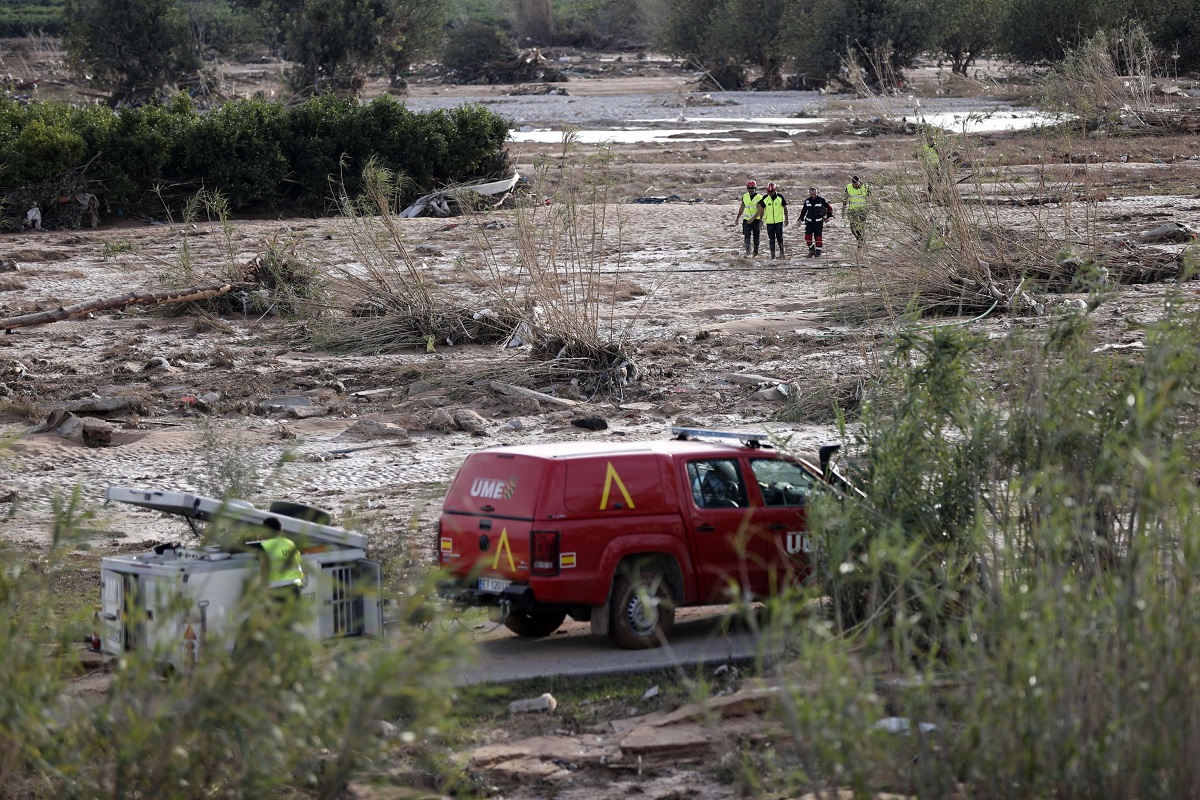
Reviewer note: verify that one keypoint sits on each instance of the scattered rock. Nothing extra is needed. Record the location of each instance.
(470, 421)
(441, 420)
(1171, 232)
(590, 423)
(429, 250)
(91, 432)
(516, 423)
(156, 363)
(420, 387)
(367, 429)
(9, 495)
(274, 404)
(307, 412)
(749, 379)
(771, 394)
(8, 265)
(545, 702)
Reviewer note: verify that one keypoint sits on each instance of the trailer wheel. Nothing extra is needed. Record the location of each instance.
(643, 612)
(534, 624)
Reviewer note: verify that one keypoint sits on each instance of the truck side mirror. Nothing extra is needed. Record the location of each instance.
(825, 454)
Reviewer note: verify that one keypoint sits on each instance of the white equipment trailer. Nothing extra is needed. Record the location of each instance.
(174, 602)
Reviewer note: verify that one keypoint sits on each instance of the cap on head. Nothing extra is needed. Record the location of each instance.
(750, 184)
(812, 188)
(770, 187)
(854, 178)
(273, 523)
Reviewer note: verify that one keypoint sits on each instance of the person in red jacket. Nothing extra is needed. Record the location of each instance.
(815, 213)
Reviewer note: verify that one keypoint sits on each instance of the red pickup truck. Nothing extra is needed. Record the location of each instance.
(623, 533)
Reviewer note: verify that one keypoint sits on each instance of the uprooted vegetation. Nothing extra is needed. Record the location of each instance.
(551, 280)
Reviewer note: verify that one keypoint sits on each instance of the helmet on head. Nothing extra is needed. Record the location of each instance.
(750, 184)
(770, 187)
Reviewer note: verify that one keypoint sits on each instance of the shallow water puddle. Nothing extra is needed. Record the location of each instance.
(968, 121)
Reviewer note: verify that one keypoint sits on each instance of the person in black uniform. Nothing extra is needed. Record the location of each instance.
(815, 212)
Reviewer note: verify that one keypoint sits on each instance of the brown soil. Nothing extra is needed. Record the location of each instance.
(694, 311)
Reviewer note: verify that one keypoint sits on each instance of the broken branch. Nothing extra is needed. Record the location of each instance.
(192, 294)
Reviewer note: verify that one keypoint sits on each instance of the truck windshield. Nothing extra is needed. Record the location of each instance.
(782, 483)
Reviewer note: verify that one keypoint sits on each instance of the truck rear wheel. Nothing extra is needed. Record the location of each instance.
(534, 624)
(643, 612)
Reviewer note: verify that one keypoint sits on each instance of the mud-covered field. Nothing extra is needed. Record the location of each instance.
(719, 341)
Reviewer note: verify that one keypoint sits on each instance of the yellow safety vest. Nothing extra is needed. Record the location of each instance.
(857, 197)
(774, 209)
(929, 155)
(284, 561)
(750, 206)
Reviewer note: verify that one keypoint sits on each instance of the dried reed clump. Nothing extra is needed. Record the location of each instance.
(557, 270)
(934, 250)
(386, 303)
(1112, 75)
(822, 402)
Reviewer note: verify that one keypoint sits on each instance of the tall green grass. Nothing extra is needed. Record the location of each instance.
(279, 717)
(1021, 575)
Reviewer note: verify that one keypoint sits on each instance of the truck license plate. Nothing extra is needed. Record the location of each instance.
(493, 584)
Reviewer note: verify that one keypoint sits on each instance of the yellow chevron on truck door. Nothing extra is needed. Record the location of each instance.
(611, 477)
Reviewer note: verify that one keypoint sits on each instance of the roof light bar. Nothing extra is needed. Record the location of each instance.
(748, 438)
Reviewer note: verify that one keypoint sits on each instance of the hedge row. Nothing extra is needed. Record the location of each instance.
(257, 153)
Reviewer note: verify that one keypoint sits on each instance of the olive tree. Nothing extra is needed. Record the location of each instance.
(332, 43)
(131, 46)
(881, 35)
(964, 29)
(726, 37)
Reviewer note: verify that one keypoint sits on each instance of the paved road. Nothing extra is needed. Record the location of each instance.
(700, 637)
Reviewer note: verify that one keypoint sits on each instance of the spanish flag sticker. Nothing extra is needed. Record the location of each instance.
(447, 544)
(566, 560)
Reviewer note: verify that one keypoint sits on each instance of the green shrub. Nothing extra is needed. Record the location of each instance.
(45, 150)
(280, 716)
(239, 151)
(1019, 576)
(251, 151)
(28, 17)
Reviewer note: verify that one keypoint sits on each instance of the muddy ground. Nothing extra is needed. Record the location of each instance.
(241, 387)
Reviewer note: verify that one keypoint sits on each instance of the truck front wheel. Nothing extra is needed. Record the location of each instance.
(643, 612)
(534, 624)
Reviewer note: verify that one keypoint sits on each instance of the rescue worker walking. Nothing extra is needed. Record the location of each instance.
(854, 208)
(815, 213)
(285, 576)
(775, 215)
(750, 213)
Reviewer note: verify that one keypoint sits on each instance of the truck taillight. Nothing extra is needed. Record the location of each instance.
(442, 545)
(544, 551)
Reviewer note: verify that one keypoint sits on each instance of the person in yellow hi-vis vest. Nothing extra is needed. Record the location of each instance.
(854, 207)
(750, 213)
(285, 576)
(775, 215)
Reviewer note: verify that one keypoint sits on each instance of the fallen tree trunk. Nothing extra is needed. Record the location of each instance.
(188, 295)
